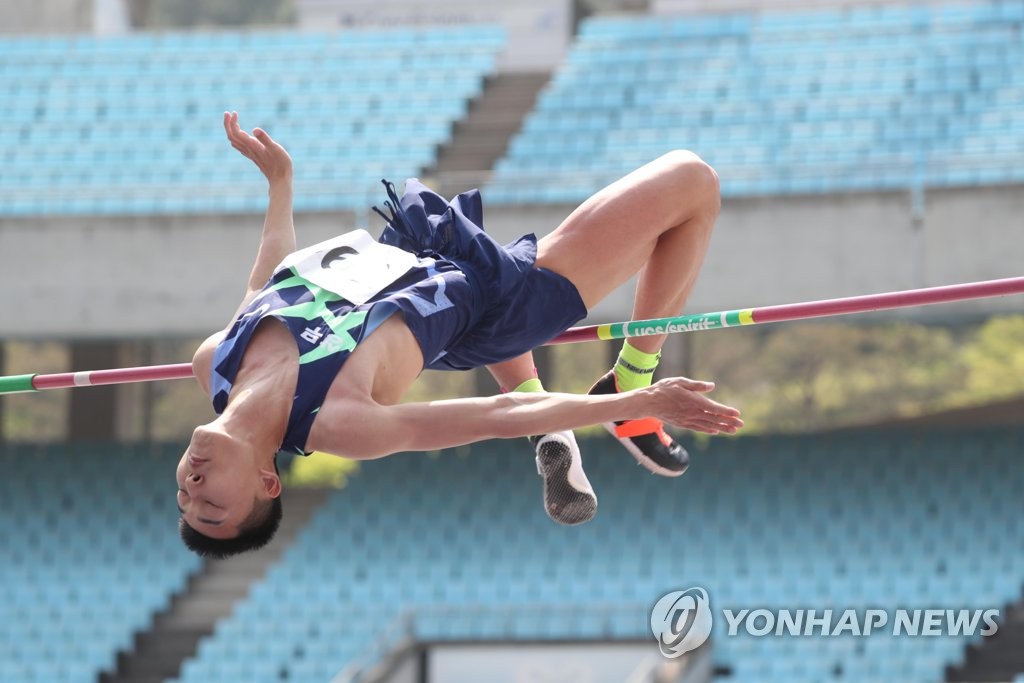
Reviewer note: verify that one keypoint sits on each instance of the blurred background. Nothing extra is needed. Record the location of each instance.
(863, 146)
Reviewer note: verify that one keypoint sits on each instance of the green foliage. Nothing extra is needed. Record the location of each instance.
(993, 362)
(810, 376)
(319, 469)
(815, 376)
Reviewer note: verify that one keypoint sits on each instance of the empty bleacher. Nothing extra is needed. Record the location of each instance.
(132, 124)
(90, 553)
(458, 547)
(833, 100)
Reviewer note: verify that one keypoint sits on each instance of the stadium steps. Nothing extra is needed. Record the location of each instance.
(481, 137)
(209, 596)
(998, 658)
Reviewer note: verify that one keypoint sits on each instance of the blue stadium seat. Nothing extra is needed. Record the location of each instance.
(782, 102)
(869, 521)
(143, 112)
(878, 97)
(91, 565)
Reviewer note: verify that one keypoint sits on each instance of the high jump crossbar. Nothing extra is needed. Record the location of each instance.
(636, 328)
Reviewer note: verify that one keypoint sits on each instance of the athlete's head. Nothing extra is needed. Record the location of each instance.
(228, 495)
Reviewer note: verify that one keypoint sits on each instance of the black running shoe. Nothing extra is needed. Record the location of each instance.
(645, 439)
(568, 495)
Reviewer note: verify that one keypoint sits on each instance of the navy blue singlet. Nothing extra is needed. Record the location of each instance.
(467, 300)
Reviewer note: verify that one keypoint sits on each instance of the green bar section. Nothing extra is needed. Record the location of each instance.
(684, 323)
(16, 383)
(732, 319)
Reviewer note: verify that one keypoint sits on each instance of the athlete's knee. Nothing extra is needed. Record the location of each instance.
(693, 174)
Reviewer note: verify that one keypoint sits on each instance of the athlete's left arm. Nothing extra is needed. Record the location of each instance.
(369, 430)
(278, 238)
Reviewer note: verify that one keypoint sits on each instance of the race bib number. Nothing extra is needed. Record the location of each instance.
(354, 265)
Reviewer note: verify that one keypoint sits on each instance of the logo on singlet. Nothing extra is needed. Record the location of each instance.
(337, 254)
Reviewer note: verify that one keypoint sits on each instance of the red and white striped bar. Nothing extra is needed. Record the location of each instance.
(148, 373)
(636, 328)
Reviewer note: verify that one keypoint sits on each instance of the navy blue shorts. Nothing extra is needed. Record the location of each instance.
(480, 302)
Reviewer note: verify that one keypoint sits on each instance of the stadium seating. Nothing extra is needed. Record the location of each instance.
(90, 555)
(458, 547)
(832, 100)
(132, 124)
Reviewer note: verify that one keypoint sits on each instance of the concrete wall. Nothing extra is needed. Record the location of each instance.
(789, 249)
(604, 662)
(183, 276)
(131, 276)
(18, 17)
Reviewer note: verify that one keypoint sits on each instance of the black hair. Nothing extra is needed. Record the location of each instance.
(254, 532)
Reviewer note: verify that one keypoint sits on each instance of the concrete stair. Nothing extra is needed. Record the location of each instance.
(209, 597)
(481, 137)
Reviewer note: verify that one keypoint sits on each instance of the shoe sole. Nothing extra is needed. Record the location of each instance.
(645, 462)
(563, 503)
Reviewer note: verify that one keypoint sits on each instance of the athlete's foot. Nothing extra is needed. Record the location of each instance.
(568, 496)
(645, 439)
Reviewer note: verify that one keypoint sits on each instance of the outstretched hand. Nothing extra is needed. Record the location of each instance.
(680, 402)
(269, 156)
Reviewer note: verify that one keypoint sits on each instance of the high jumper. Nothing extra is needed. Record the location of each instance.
(327, 340)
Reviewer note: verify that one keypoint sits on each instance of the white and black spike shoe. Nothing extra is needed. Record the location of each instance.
(568, 496)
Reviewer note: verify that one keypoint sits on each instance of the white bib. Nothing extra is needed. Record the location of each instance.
(354, 265)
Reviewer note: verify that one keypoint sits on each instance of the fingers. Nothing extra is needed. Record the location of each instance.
(248, 145)
(269, 143)
(695, 411)
(693, 390)
(708, 428)
(719, 421)
(724, 417)
(269, 156)
(727, 425)
(711, 406)
(710, 425)
(236, 136)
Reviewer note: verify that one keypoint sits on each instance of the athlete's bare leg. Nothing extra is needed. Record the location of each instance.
(568, 496)
(511, 373)
(656, 221)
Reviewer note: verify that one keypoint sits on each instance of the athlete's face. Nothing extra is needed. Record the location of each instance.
(219, 481)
